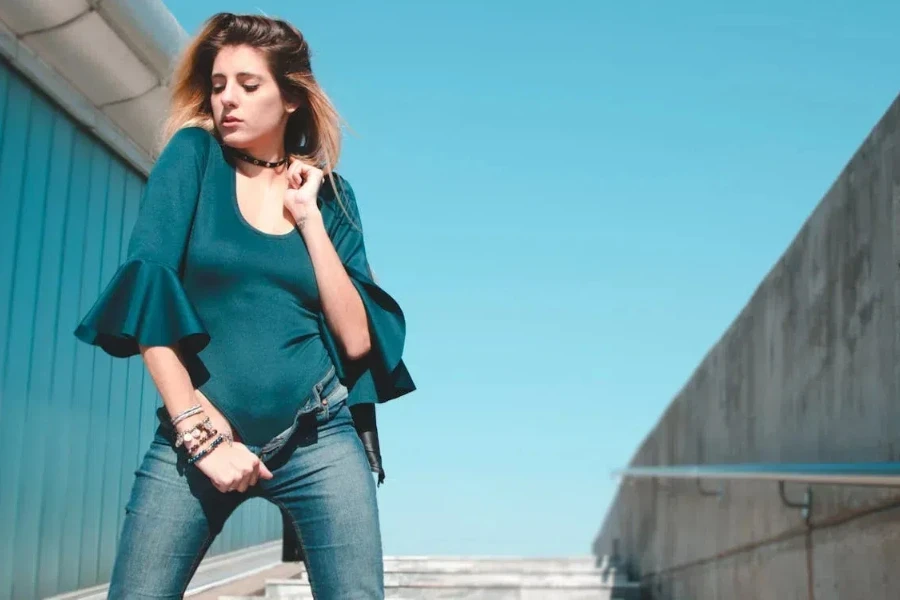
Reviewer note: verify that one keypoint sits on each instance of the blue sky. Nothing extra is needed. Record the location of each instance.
(571, 201)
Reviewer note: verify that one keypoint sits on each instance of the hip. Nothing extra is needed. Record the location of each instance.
(265, 420)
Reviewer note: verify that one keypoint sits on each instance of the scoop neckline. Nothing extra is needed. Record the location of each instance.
(243, 219)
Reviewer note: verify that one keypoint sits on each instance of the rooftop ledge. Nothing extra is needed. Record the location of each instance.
(106, 62)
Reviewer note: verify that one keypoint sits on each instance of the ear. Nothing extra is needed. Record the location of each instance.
(291, 102)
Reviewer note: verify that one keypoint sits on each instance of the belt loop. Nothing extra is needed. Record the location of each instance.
(320, 386)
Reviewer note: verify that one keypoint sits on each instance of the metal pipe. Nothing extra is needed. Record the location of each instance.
(884, 474)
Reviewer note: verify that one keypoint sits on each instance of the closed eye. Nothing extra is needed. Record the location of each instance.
(217, 89)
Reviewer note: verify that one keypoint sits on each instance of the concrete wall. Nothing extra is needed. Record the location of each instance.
(807, 372)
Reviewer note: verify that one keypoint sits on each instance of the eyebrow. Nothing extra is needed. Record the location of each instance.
(241, 74)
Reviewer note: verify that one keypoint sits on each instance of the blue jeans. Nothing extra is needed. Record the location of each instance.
(322, 480)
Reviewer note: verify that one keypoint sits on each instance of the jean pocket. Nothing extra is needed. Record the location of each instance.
(162, 436)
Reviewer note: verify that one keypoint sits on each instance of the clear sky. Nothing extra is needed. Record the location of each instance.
(572, 201)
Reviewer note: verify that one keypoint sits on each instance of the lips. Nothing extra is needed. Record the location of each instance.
(230, 120)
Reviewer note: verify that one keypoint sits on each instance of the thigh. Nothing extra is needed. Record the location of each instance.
(172, 516)
(326, 488)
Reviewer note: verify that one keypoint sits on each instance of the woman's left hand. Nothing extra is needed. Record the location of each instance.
(304, 182)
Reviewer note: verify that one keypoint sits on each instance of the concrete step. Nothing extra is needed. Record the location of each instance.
(475, 578)
(465, 564)
(468, 594)
(223, 569)
(465, 580)
(472, 578)
(213, 572)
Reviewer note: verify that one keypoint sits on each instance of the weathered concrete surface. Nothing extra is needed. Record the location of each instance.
(468, 578)
(852, 560)
(807, 372)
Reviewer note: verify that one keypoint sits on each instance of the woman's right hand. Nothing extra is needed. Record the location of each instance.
(232, 467)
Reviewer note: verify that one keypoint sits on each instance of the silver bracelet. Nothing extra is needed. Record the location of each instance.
(187, 413)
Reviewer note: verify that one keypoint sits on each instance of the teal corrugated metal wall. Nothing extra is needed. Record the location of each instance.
(74, 422)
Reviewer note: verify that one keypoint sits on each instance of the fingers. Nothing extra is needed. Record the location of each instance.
(301, 174)
(295, 176)
(244, 482)
(314, 178)
(248, 475)
(235, 471)
(254, 473)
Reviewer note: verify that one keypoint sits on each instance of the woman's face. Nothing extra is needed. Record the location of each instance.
(246, 101)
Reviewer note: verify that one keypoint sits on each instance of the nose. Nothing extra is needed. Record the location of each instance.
(228, 96)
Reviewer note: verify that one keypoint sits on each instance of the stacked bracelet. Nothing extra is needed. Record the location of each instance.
(187, 413)
(196, 433)
(194, 437)
(206, 450)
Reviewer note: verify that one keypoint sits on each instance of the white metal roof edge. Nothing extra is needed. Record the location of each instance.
(72, 101)
(154, 36)
(148, 28)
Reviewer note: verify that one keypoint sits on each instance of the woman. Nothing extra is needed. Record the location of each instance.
(248, 294)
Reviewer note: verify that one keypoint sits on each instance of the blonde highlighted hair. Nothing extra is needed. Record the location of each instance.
(313, 132)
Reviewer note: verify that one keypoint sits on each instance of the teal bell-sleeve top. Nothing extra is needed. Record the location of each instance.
(145, 302)
(382, 375)
(241, 305)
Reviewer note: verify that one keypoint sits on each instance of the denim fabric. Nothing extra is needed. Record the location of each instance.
(321, 480)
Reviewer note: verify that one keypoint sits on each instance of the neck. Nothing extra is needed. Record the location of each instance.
(269, 148)
(263, 150)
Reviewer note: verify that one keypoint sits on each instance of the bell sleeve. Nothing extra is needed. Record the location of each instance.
(145, 303)
(381, 374)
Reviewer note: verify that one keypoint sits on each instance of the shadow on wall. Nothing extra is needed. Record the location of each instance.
(623, 585)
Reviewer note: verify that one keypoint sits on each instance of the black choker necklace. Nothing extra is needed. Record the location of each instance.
(256, 161)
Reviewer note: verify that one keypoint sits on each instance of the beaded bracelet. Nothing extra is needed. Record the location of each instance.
(194, 444)
(206, 450)
(194, 432)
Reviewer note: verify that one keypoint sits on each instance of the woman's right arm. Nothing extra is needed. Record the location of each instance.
(229, 466)
(171, 379)
(146, 310)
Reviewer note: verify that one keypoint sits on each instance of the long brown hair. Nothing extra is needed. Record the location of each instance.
(313, 133)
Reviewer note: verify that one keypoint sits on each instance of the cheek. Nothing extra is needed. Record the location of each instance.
(269, 107)
(216, 106)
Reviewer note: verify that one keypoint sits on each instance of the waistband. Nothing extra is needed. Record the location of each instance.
(326, 396)
(328, 389)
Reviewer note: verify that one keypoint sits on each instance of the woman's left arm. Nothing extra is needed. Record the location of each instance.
(342, 305)
(345, 313)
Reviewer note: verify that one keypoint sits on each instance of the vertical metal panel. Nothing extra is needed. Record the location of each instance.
(107, 452)
(74, 422)
(97, 388)
(133, 399)
(82, 360)
(18, 383)
(70, 202)
(9, 206)
(39, 410)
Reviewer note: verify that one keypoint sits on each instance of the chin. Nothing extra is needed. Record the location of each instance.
(236, 139)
